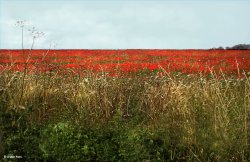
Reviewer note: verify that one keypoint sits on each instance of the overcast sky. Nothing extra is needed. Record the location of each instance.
(126, 24)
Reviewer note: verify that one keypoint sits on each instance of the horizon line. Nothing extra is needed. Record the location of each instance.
(122, 49)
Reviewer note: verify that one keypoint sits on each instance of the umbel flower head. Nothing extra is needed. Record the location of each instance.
(21, 23)
(35, 33)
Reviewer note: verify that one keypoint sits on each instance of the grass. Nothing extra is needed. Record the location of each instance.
(173, 118)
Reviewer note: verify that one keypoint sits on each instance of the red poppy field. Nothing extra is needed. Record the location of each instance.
(119, 62)
(125, 105)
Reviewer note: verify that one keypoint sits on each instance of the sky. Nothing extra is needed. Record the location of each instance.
(125, 24)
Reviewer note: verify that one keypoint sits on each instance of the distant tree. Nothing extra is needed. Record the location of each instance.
(219, 48)
(236, 47)
(241, 47)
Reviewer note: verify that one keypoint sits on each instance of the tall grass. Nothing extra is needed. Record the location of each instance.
(201, 119)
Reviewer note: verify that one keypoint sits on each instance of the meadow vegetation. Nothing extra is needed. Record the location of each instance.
(96, 117)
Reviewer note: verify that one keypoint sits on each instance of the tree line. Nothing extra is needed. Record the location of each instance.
(235, 47)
